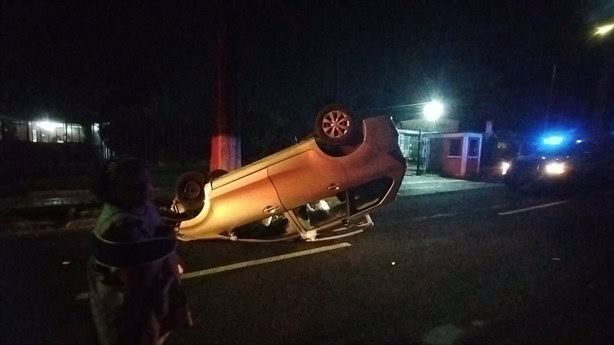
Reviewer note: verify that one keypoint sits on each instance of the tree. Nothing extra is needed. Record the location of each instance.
(133, 113)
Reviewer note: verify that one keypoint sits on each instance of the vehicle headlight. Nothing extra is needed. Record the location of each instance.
(555, 168)
(505, 166)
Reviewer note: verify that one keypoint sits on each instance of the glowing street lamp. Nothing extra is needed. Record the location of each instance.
(433, 110)
(603, 30)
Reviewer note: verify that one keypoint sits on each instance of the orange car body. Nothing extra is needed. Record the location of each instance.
(304, 173)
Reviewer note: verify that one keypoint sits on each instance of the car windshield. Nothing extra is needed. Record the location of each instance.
(559, 150)
(571, 149)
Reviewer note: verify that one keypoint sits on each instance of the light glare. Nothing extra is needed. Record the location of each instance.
(433, 110)
(47, 125)
(555, 168)
(553, 140)
(604, 30)
(505, 166)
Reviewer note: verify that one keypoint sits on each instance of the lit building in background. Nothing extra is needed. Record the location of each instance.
(43, 131)
(44, 144)
(46, 131)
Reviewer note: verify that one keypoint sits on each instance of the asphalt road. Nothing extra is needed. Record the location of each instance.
(480, 266)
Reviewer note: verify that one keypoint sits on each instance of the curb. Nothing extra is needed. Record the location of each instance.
(57, 199)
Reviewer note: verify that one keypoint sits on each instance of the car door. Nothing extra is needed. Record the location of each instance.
(307, 177)
(245, 200)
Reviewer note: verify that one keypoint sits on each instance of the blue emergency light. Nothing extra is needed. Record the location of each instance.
(553, 140)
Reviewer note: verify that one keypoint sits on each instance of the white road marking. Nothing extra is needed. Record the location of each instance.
(533, 208)
(439, 215)
(263, 261)
(196, 274)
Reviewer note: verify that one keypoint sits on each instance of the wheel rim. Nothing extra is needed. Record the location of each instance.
(192, 190)
(336, 124)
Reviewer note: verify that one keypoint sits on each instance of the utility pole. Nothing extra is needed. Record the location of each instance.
(603, 94)
(419, 158)
(337, 74)
(606, 77)
(226, 140)
(550, 97)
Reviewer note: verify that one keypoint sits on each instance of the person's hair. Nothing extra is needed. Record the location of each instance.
(117, 174)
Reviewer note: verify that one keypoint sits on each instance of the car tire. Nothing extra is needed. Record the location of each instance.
(527, 186)
(511, 183)
(190, 189)
(335, 124)
(522, 185)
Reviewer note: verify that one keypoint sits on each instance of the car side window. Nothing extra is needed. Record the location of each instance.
(320, 212)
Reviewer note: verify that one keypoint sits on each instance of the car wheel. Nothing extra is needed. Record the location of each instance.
(335, 124)
(527, 188)
(520, 184)
(511, 183)
(190, 188)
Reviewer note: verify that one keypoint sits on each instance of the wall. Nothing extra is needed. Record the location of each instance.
(436, 152)
(472, 166)
(464, 162)
(452, 166)
(440, 126)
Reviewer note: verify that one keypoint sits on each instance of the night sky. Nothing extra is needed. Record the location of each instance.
(487, 60)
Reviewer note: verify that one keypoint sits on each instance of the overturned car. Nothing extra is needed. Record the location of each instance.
(320, 188)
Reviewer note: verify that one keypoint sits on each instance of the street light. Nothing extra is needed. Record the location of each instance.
(603, 30)
(432, 111)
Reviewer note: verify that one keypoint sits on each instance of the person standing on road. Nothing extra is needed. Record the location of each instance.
(133, 276)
